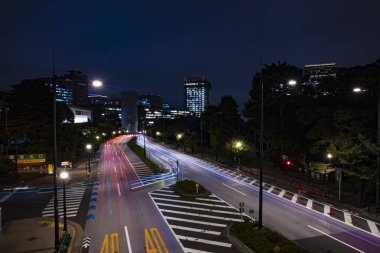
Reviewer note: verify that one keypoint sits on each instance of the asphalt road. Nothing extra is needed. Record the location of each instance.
(314, 231)
(121, 219)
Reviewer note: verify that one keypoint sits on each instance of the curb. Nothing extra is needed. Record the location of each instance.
(76, 233)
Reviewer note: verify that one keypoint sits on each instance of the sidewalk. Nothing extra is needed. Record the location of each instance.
(37, 235)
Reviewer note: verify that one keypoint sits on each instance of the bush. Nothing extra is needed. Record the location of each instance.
(188, 187)
(263, 241)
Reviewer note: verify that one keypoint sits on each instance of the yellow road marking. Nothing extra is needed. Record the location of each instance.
(105, 244)
(154, 247)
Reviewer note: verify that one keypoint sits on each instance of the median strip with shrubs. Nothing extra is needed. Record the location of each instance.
(263, 241)
(140, 152)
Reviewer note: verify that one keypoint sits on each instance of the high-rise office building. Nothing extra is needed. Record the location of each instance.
(197, 94)
(129, 111)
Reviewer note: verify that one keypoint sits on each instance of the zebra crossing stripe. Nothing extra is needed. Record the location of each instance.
(196, 230)
(196, 221)
(200, 209)
(211, 200)
(193, 239)
(202, 215)
(188, 250)
(195, 203)
(168, 195)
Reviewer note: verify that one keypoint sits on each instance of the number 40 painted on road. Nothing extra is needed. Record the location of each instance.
(153, 246)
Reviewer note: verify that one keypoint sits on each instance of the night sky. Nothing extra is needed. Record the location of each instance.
(149, 46)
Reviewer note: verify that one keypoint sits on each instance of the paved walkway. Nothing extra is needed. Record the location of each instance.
(37, 235)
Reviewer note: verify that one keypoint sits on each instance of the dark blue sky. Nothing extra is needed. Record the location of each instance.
(149, 46)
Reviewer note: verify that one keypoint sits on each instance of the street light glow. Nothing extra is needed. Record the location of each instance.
(357, 90)
(158, 133)
(97, 137)
(88, 146)
(97, 83)
(64, 175)
(239, 144)
(329, 156)
(292, 82)
(179, 136)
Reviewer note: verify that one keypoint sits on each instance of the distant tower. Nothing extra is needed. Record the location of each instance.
(197, 94)
(129, 111)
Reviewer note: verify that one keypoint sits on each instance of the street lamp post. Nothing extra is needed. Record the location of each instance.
(290, 83)
(179, 136)
(89, 147)
(64, 175)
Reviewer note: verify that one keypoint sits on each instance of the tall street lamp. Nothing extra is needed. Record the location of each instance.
(360, 90)
(290, 83)
(88, 148)
(64, 176)
(179, 136)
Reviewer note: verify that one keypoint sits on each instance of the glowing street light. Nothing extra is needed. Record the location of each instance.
(88, 148)
(158, 133)
(97, 137)
(329, 156)
(292, 82)
(97, 83)
(64, 176)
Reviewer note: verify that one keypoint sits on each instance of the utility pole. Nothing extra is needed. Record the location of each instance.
(261, 152)
(56, 221)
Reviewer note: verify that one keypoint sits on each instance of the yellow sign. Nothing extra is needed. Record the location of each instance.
(153, 246)
(115, 246)
(50, 169)
(29, 161)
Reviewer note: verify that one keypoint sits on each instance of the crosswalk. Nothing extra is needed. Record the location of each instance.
(74, 198)
(197, 223)
(143, 171)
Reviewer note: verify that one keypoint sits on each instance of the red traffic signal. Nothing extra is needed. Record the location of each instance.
(288, 163)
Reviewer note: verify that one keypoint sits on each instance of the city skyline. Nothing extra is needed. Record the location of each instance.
(151, 47)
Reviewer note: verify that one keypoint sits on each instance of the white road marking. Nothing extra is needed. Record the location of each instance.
(165, 191)
(223, 244)
(309, 203)
(200, 209)
(373, 227)
(234, 189)
(335, 238)
(347, 218)
(281, 193)
(167, 195)
(192, 202)
(295, 197)
(202, 215)
(211, 200)
(252, 182)
(196, 222)
(326, 209)
(128, 242)
(188, 250)
(196, 230)
(270, 189)
(118, 189)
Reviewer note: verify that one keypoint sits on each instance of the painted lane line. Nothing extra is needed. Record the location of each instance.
(234, 189)
(196, 230)
(347, 218)
(128, 242)
(188, 250)
(335, 239)
(167, 195)
(200, 209)
(186, 238)
(197, 222)
(194, 203)
(373, 227)
(118, 189)
(211, 200)
(282, 193)
(202, 215)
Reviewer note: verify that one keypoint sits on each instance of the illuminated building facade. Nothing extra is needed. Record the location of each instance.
(197, 94)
